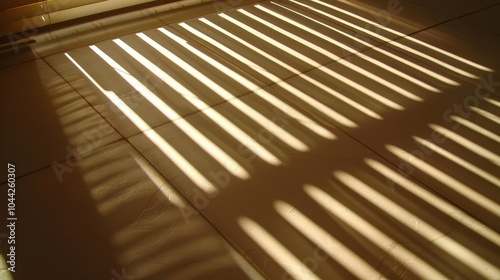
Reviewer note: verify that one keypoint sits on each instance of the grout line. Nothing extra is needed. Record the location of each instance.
(126, 139)
(177, 191)
(448, 20)
(464, 80)
(460, 18)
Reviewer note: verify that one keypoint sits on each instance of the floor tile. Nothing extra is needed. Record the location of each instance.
(362, 89)
(456, 8)
(45, 120)
(258, 151)
(251, 22)
(124, 216)
(237, 128)
(298, 215)
(255, 52)
(432, 133)
(486, 19)
(438, 145)
(453, 48)
(277, 50)
(157, 76)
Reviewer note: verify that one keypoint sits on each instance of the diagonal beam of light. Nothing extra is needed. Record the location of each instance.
(467, 192)
(279, 132)
(492, 101)
(486, 114)
(327, 53)
(399, 45)
(472, 126)
(438, 238)
(333, 247)
(371, 60)
(436, 201)
(372, 233)
(187, 168)
(270, 98)
(466, 143)
(459, 161)
(399, 58)
(289, 88)
(279, 62)
(276, 250)
(201, 140)
(315, 64)
(204, 108)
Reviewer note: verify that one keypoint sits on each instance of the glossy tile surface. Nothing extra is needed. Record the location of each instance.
(270, 140)
(125, 217)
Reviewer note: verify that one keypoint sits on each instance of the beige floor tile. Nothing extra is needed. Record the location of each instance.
(45, 120)
(403, 16)
(446, 139)
(334, 210)
(454, 48)
(258, 51)
(256, 26)
(380, 165)
(485, 19)
(115, 217)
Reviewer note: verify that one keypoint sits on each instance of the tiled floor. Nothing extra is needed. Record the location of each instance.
(285, 139)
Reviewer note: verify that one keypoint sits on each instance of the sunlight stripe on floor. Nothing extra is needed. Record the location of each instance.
(438, 238)
(286, 66)
(170, 152)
